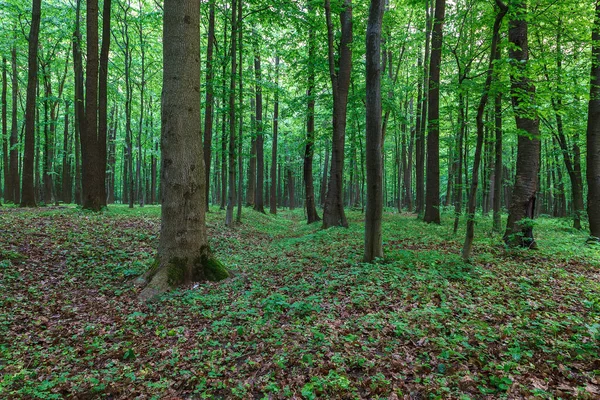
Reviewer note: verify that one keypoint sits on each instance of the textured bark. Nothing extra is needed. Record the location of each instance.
(273, 188)
(470, 233)
(15, 193)
(593, 134)
(374, 210)
(333, 213)
(260, 139)
(28, 194)
(210, 97)
(183, 253)
(519, 227)
(432, 199)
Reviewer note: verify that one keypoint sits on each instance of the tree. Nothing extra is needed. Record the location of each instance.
(593, 134)
(466, 252)
(208, 110)
(232, 197)
(374, 210)
(259, 204)
(273, 188)
(432, 185)
(309, 186)
(333, 213)
(519, 227)
(28, 193)
(5, 167)
(183, 253)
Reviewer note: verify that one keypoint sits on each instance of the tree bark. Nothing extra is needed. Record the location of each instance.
(593, 134)
(183, 254)
(333, 214)
(432, 199)
(519, 227)
(28, 194)
(5, 139)
(374, 210)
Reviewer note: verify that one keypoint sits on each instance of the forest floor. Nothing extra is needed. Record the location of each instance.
(301, 318)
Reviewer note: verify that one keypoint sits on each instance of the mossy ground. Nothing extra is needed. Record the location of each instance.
(301, 317)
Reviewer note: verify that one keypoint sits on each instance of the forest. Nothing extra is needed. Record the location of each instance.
(313, 199)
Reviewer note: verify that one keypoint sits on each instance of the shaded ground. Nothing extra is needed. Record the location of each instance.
(302, 318)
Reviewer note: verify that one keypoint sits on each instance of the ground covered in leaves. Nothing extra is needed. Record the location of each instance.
(301, 318)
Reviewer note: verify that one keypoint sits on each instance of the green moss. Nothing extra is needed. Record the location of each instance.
(212, 269)
(176, 271)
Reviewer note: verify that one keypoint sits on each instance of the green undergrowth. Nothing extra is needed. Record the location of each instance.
(301, 317)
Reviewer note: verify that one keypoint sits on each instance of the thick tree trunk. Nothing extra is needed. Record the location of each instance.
(593, 134)
(183, 254)
(519, 227)
(333, 214)
(28, 194)
(374, 210)
(210, 97)
(432, 199)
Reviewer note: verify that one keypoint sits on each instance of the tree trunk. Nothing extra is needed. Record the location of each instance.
(519, 227)
(333, 214)
(210, 97)
(260, 139)
(374, 210)
(241, 108)
(15, 182)
(432, 199)
(5, 139)
(183, 254)
(593, 134)
(232, 197)
(273, 188)
(28, 194)
(250, 193)
(498, 170)
(468, 245)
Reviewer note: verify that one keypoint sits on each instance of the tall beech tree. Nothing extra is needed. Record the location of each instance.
(432, 183)
(273, 187)
(183, 252)
(259, 204)
(519, 227)
(374, 210)
(340, 72)
(593, 134)
(231, 196)
(210, 97)
(28, 191)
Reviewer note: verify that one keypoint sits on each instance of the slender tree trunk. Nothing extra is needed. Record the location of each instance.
(498, 172)
(273, 188)
(28, 193)
(251, 192)
(519, 229)
(15, 181)
(374, 210)
(260, 139)
(241, 113)
(210, 97)
(432, 200)
(138, 171)
(324, 180)
(470, 234)
(333, 214)
(232, 197)
(309, 187)
(5, 139)
(593, 134)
